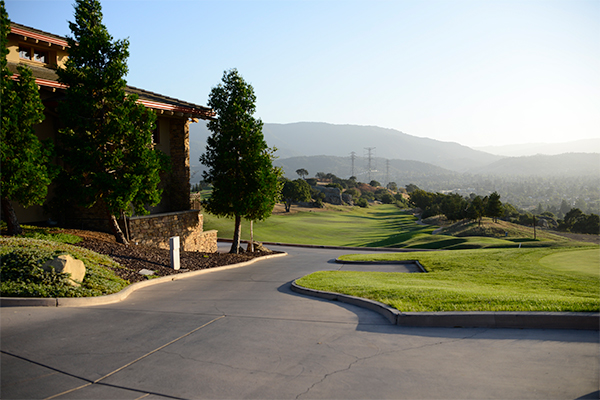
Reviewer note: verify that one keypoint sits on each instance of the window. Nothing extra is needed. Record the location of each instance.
(24, 53)
(32, 54)
(41, 56)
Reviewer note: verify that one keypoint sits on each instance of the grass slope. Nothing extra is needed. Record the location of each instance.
(382, 226)
(526, 279)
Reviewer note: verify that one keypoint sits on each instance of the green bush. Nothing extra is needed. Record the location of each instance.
(362, 202)
(21, 274)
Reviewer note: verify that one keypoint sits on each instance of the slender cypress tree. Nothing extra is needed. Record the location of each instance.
(239, 162)
(106, 144)
(26, 171)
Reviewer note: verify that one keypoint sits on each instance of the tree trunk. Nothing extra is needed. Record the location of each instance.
(235, 246)
(252, 236)
(14, 228)
(114, 224)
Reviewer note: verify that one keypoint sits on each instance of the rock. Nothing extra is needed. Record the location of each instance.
(332, 195)
(66, 264)
(258, 247)
(347, 198)
(145, 271)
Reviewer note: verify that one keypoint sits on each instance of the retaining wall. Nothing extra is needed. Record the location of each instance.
(156, 229)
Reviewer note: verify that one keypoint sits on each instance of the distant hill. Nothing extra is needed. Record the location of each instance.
(565, 165)
(530, 149)
(314, 139)
(399, 171)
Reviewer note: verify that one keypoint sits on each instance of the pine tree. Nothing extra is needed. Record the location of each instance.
(26, 171)
(106, 145)
(239, 162)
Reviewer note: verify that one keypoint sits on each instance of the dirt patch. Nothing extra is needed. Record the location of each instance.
(134, 258)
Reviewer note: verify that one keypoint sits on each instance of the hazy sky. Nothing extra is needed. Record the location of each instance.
(474, 72)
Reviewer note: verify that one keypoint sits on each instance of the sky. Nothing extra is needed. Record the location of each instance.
(479, 73)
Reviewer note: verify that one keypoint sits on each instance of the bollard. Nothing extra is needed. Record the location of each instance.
(174, 247)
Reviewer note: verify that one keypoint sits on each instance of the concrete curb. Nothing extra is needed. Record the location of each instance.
(416, 262)
(466, 319)
(123, 294)
(316, 246)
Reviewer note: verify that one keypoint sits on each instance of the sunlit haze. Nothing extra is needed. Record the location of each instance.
(473, 72)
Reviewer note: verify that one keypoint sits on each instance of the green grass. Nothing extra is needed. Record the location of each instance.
(99, 279)
(585, 262)
(376, 226)
(472, 280)
(381, 226)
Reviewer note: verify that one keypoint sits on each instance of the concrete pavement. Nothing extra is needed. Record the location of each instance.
(242, 333)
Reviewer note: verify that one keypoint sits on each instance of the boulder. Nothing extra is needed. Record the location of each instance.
(258, 247)
(66, 264)
(332, 195)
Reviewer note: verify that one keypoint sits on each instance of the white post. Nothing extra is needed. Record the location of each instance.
(174, 251)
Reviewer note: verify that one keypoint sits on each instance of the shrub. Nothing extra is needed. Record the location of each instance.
(21, 270)
(21, 261)
(362, 202)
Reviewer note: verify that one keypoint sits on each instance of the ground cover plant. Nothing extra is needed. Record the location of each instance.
(22, 276)
(526, 279)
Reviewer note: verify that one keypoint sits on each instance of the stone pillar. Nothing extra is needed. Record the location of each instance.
(179, 186)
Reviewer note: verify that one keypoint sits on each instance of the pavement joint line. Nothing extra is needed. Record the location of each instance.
(157, 349)
(98, 381)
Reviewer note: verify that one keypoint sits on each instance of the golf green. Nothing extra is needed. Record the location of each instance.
(585, 262)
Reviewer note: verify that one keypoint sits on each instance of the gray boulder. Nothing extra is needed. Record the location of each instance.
(332, 195)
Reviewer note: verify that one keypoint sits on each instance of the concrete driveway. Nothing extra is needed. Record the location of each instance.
(242, 333)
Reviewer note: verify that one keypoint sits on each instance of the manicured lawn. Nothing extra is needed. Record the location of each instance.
(472, 280)
(380, 226)
(585, 262)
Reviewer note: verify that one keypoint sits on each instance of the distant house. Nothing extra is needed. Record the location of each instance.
(43, 53)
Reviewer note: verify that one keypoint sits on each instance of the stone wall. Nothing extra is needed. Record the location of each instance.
(156, 229)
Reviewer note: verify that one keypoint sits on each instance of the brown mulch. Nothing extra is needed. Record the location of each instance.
(134, 258)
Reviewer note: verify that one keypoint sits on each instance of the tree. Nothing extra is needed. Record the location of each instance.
(493, 207)
(374, 183)
(106, 144)
(297, 190)
(476, 209)
(411, 187)
(238, 160)
(26, 171)
(302, 172)
(392, 186)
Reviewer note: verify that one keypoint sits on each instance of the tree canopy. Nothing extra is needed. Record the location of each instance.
(26, 170)
(293, 191)
(238, 160)
(106, 144)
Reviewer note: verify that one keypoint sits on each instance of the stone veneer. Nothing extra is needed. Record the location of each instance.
(156, 229)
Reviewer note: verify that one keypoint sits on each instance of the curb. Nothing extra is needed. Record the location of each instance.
(416, 262)
(316, 246)
(466, 319)
(119, 296)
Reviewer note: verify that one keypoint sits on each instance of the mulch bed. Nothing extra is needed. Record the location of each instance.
(134, 258)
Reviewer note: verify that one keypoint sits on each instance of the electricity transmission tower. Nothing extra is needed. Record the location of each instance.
(387, 172)
(370, 161)
(352, 157)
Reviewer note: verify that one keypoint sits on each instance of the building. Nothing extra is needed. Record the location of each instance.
(43, 53)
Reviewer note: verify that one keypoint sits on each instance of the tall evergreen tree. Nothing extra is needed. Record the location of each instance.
(493, 207)
(106, 144)
(238, 160)
(26, 171)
